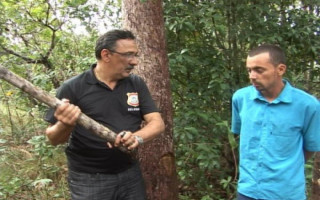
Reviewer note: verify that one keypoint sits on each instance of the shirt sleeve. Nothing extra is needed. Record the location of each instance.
(63, 92)
(311, 132)
(236, 120)
(146, 102)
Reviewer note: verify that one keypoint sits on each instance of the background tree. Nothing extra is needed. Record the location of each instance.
(145, 19)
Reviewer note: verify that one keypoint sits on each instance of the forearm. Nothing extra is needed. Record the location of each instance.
(152, 129)
(59, 133)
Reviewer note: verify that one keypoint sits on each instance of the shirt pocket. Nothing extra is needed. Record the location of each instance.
(284, 140)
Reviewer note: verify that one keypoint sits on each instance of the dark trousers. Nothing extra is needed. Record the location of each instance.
(127, 185)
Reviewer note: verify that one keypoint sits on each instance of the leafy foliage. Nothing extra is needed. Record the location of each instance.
(41, 41)
(207, 46)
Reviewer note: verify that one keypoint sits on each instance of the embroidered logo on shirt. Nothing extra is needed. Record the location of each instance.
(133, 99)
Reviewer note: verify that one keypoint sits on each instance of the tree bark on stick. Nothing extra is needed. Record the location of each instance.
(53, 102)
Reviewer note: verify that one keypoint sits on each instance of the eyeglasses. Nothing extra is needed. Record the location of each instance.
(128, 55)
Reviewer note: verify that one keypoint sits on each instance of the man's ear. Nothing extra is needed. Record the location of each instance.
(281, 69)
(105, 55)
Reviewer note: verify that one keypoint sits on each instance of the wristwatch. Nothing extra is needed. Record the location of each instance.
(139, 139)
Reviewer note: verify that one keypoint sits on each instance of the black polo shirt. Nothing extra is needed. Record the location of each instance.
(119, 109)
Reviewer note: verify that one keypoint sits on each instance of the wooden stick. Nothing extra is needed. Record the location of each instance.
(53, 102)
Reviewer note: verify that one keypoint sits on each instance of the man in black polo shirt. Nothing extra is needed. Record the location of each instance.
(109, 94)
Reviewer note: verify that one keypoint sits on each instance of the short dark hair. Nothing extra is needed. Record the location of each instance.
(109, 39)
(277, 55)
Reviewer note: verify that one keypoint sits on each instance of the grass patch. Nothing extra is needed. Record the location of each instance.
(31, 168)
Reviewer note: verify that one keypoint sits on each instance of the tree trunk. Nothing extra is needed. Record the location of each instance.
(145, 20)
(316, 178)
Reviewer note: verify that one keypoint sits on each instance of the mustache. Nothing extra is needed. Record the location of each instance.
(130, 67)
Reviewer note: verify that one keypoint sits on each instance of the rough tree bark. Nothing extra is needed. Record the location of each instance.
(145, 20)
(316, 178)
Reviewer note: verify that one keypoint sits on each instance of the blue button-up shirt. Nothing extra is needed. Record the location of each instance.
(273, 137)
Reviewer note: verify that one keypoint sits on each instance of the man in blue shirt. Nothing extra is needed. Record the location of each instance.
(279, 129)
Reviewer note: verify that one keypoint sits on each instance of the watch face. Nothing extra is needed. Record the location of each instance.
(139, 139)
